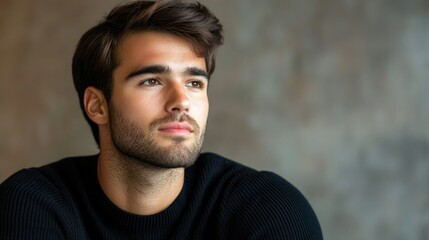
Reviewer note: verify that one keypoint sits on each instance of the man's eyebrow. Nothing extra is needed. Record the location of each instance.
(149, 70)
(193, 71)
(157, 69)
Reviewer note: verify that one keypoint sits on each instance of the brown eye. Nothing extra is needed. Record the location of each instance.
(195, 84)
(150, 82)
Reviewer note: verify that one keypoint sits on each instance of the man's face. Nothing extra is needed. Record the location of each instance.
(159, 105)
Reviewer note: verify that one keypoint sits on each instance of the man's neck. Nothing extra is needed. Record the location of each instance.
(138, 188)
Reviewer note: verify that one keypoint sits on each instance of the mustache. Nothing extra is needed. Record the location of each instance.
(176, 117)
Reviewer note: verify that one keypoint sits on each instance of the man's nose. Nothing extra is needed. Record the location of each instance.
(178, 100)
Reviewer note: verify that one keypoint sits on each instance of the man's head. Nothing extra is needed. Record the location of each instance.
(96, 58)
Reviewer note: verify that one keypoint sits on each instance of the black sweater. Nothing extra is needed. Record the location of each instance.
(220, 199)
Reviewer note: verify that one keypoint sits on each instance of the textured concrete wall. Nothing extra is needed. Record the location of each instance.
(330, 94)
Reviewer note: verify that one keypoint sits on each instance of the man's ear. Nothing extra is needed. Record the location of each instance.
(96, 105)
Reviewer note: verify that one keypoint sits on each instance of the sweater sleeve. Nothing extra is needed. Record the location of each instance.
(30, 207)
(265, 206)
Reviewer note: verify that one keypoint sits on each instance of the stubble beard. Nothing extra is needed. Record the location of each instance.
(134, 144)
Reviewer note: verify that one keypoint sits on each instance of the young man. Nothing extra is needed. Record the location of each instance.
(142, 77)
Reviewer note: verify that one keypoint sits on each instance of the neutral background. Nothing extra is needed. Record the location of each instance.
(330, 94)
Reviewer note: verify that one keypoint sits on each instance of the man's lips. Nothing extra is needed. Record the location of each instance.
(176, 127)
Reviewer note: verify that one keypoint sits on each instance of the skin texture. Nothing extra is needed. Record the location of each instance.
(154, 125)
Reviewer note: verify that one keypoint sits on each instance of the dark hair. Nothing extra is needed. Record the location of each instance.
(95, 58)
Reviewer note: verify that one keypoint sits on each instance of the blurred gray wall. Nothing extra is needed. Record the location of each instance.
(330, 94)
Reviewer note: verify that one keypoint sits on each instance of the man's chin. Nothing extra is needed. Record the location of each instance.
(172, 159)
(170, 153)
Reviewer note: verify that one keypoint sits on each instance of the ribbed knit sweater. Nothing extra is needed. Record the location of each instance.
(220, 199)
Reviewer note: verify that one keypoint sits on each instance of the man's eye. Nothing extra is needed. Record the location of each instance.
(150, 82)
(195, 84)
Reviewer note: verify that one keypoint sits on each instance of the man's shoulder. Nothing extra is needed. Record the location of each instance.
(241, 182)
(251, 198)
(69, 163)
(44, 178)
(37, 201)
(246, 177)
(218, 170)
(212, 162)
